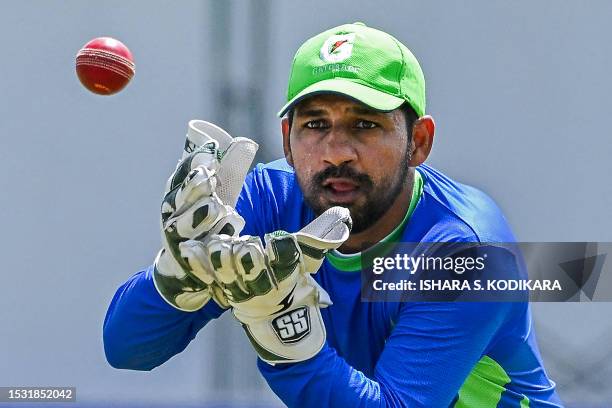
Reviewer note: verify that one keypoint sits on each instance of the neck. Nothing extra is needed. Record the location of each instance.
(385, 224)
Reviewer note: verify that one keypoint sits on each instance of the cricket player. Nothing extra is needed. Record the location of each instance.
(280, 247)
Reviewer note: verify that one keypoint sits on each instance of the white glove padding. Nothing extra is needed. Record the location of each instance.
(235, 153)
(271, 289)
(192, 208)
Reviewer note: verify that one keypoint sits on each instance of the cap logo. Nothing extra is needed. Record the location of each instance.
(337, 47)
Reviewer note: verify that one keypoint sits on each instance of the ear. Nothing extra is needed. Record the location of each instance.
(422, 139)
(286, 141)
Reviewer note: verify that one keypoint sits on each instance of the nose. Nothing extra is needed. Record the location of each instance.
(338, 147)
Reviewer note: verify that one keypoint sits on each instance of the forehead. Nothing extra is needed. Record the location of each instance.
(334, 102)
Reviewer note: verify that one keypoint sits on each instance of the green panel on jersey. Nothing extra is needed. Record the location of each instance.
(352, 263)
(525, 403)
(484, 386)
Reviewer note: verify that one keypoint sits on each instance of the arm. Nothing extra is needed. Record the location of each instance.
(431, 351)
(157, 312)
(142, 331)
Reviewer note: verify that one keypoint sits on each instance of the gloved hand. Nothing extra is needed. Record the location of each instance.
(270, 288)
(198, 202)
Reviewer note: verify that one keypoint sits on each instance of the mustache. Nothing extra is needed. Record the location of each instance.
(343, 171)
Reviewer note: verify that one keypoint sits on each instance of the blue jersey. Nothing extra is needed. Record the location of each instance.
(377, 354)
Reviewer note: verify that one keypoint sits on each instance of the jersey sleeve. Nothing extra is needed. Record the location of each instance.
(141, 331)
(428, 356)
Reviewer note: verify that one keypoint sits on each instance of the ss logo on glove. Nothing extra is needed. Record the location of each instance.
(292, 326)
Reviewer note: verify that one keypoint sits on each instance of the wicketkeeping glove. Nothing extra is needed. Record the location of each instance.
(270, 288)
(198, 202)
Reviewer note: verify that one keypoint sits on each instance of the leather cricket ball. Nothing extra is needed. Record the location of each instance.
(105, 65)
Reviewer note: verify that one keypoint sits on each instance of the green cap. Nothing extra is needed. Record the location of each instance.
(363, 63)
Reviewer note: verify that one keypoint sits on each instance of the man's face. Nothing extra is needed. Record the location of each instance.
(344, 153)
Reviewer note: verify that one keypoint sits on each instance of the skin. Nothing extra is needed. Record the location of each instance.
(345, 153)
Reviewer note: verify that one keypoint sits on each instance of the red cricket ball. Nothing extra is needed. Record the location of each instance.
(105, 65)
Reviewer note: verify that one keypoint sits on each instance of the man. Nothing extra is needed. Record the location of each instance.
(355, 137)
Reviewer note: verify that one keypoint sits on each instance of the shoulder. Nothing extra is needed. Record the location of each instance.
(271, 199)
(457, 211)
(274, 176)
(278, 167)
(275, 183)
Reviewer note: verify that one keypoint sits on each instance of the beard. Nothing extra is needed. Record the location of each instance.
(377, 198)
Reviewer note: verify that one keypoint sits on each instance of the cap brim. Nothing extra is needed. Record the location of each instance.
(369, 96)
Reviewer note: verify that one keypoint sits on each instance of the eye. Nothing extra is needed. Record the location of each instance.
(365, 124)
(315, 124)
